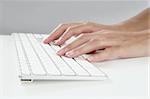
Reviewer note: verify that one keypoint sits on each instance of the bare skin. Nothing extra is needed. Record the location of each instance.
(123, 40)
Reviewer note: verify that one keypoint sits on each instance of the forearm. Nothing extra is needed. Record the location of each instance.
(136, 23)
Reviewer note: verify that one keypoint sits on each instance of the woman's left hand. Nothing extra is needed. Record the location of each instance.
(115, 45)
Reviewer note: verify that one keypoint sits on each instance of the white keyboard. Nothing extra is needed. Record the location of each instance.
(38, 61)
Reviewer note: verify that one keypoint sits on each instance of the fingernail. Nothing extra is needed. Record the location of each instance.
(90, 58)
(45, 41)
(60, 52)
(70, 54)
(58, 42)
(55, 42)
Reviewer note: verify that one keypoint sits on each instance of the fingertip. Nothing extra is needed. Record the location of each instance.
(70, 54)
(59, 42)
(60, 53)
(45, 42)
(94, 59)
(90, 59)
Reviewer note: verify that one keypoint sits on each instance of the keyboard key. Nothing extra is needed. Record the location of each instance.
(75, 66)
(22, 59)
(38, 36)
(44, 58)
(63, 67)
(89, 67)
(31, 55)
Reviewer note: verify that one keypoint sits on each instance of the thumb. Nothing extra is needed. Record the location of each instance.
(107, 54)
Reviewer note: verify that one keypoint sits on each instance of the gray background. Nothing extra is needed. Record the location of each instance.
(42, 16)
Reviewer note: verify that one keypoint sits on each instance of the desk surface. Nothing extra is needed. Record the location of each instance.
(128, 77)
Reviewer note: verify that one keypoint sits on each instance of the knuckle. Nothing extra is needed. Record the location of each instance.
(94, 40)
(70, 30)
(62, 24)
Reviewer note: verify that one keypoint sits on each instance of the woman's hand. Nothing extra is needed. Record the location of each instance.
(64, 31)
(129, 38)
(115, 45)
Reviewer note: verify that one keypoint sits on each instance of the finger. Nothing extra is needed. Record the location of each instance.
(107, 54)
(78, 42)
(75, 30)
(58, 31)
(85, 48)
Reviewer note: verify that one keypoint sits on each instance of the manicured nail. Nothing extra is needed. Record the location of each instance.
(90, 58)
(60, 52)
(45, 41)
(70, 54)
(55, 42)
(59, 41)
